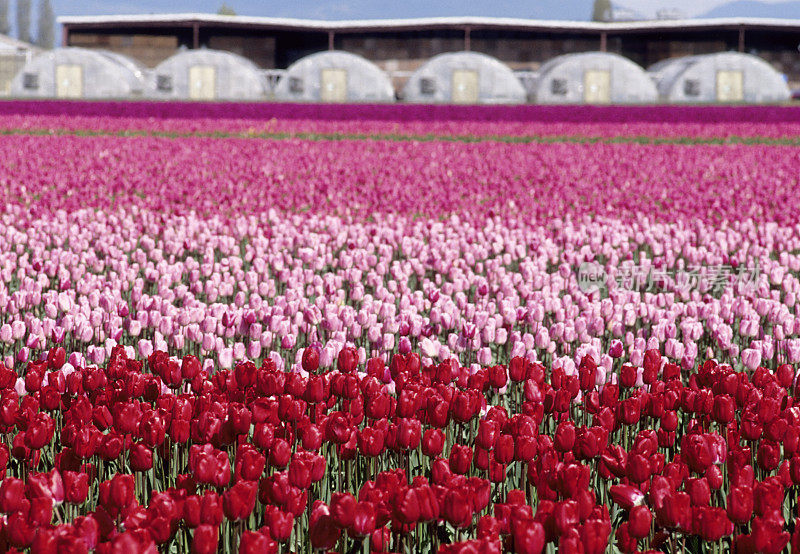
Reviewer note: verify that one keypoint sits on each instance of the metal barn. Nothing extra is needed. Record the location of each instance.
(464, 78)
(76, 73)
(726, 77)
(334, 77)
(205, 74)
(593, 78)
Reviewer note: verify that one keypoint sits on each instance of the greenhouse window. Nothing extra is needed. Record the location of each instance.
(30, 81)
(558, 87)
(691, 87)
(164, 83)
(296, 85)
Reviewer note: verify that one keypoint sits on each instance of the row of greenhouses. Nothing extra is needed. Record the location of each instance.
(457, 77)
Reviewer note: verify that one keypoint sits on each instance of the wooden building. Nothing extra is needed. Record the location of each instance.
(401, 46)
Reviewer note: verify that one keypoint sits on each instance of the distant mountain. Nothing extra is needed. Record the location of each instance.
(752, 8)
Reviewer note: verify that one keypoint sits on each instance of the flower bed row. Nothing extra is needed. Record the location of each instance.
(517, 182)
(160, 453)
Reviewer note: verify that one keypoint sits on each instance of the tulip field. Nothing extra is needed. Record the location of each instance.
(369, 329)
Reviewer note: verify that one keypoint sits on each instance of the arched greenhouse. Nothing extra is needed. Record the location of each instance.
(464, 78)
(334, 76)
(207, 75)
(723, 77)
(77, 73)
(593, 78)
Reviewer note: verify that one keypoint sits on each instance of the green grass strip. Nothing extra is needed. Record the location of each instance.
(509, 139)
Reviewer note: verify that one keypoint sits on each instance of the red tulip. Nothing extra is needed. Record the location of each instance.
(347, 360)
(407, 508)
(566, 516)
(697, 453)
(342, 508)
(280, 524)
(639, 522)
(675, 511)
(460, 459)
(637, 468)
(498, 377)
(300, 473)
(627, 376)
(337, 428)
(140, 457)
(565, 436)
(768, 455)
(768, 534)
(652, 365)
(504, 449)
(455, 508)
(310, 359)
(487, 434)
(371, 441)
(19, 530)
(46, 485)
(488, 527)
(594, 534)
(363, 519)
(432, 442)
(210, 465)
(39, 432)
(409, 433)
(714, 478)
(724, 408)
(699, 491)
(625, 542)
(429, 507)
(190, 367)
(517, 368)
(76, 486)
(239, 500)
(255, 543)
(12, 494)
(529, 537)
(768, 496)
(463, 406)
(121, 490)
(614, 460)
(712, 523)
(323, 532)
(630, 411)
(206, 509)
(626, 496)
(249, 463)
(205, 539)
(280, 453)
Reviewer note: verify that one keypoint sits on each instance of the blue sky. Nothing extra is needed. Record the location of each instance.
(377, 9)
(354, 9)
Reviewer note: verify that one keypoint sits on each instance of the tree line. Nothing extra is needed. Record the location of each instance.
(45, 28)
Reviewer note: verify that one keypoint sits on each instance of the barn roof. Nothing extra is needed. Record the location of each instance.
(425, 23)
